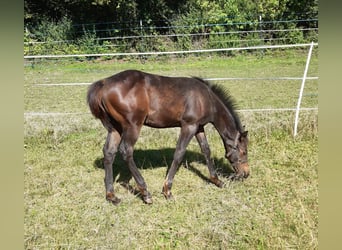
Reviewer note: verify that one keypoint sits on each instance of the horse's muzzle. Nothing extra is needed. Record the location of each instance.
(241, 172)
(244, 169)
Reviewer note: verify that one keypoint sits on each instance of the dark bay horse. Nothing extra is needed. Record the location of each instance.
(130, 99)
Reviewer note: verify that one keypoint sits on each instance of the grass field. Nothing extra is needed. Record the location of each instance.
(275, 208)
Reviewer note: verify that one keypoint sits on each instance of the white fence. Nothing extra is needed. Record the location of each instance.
(297, 109)
(246, 32)
(174, 52)
(302, 89)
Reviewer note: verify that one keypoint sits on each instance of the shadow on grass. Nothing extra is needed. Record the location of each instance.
(155, 158)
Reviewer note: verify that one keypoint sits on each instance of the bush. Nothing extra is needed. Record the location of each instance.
(48, 37)
(49, 31)
(56, 38)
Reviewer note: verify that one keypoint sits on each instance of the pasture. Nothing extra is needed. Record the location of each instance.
(275, 208)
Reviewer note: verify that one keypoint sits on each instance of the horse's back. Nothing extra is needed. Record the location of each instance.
(176, 100)
(134, 96)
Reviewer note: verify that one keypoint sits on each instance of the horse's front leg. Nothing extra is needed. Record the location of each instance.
(187, 132)
(109, 151)
(203, 142)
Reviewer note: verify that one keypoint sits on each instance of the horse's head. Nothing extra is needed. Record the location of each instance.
(238, 156)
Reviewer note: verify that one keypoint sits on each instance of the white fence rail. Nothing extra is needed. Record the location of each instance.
(173, 52)
(42, 114)
(207, 79)
(297, 109)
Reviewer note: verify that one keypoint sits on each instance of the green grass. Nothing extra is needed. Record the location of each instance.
(275, 208)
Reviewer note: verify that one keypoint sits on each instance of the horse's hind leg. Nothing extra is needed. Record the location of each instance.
(129, 138)
(202, 141)
(109, 151)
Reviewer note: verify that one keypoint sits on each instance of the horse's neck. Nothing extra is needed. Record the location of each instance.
(225, 125)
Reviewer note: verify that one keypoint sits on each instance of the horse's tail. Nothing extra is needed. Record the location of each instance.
(94, 99)
(96, 104)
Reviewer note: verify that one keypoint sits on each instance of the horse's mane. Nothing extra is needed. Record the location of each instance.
(223, 94)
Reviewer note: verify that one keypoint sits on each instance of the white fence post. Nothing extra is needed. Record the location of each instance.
(302, 89)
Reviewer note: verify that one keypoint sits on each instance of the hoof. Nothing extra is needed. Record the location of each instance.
(113, 199)
(145, 195)
(217, 182)
(148, 199)
(167, 193)
(169, 196)
(220, 184)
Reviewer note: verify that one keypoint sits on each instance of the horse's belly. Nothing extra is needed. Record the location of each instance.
(163, 120)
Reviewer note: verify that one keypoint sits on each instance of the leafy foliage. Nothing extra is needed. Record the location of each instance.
(84, 25)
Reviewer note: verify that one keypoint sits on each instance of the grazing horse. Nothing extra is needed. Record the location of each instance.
(130, 99)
